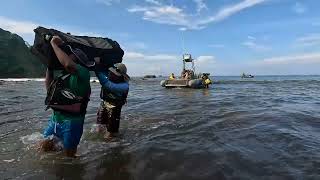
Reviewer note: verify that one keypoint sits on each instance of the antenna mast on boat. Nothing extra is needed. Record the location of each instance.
(183, 50)
(182, 39)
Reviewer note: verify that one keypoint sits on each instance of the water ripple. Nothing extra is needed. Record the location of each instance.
(238, 129)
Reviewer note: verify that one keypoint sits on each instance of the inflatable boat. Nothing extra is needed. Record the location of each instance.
(188, 77)
(193, 83)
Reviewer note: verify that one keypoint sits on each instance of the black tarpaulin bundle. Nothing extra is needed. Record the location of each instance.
(108, 51)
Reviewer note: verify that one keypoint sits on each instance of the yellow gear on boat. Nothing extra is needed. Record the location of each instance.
(172, 77)
(208, 81)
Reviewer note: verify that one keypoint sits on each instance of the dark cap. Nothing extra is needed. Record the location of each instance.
(82, 57)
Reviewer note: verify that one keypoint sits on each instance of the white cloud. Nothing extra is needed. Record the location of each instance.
(308, 40)
(205, 59)
(155, 2)
(133, 56)
(107, 2)
(138, 9)
(18, 27)
(295, 64)
(134, 46)
(140, 64)
(308, 58)
(183, 29)
(25, 28)
(162, 57)
(162, 14)
(231, 10)
(251, 38)
(299, 8)
(79, 33)
(200, 5)
(172, 15)
(205, 63)
(257, 47)
(136, 56)
(252, 43)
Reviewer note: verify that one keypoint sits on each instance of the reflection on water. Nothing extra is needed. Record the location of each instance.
(267, 127)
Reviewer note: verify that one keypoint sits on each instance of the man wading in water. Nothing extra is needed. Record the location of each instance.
(114, 92)
(68, 96)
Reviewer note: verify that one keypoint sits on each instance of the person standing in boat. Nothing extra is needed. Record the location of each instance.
(68, 96)
(172, 77)
(114, 92)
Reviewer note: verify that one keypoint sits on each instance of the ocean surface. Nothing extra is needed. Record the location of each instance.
(262, 128)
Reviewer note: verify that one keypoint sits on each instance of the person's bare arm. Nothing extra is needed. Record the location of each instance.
(63, 58)
(49, 78)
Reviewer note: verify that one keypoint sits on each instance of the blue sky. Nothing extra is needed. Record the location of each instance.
(226, 37)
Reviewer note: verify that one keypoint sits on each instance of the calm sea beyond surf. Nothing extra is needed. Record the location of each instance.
(262, 128)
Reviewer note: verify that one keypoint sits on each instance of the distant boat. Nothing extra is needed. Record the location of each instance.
(150, 76)
(244, 76)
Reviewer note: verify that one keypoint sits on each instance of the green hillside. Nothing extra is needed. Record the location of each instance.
(16, 61)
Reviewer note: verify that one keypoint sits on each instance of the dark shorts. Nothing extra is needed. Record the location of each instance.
(109, 115)
(69, 131)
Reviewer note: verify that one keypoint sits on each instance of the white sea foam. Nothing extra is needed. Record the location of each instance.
(9, 160)
(35, 79)
(32, 138)
(22, 79)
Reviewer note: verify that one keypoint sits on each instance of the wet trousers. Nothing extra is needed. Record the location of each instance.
(109, 115)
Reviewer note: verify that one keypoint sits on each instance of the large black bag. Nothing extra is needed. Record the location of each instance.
(106, 49)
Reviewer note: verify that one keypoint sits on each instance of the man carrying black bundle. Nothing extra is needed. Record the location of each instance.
(68, 96)
(114, 94)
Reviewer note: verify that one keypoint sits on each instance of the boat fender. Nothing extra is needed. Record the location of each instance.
(163, 83)
(195, 83)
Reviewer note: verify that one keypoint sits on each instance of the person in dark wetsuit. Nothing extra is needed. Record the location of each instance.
(114, 92)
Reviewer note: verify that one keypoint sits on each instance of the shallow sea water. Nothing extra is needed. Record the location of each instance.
(266, 128)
